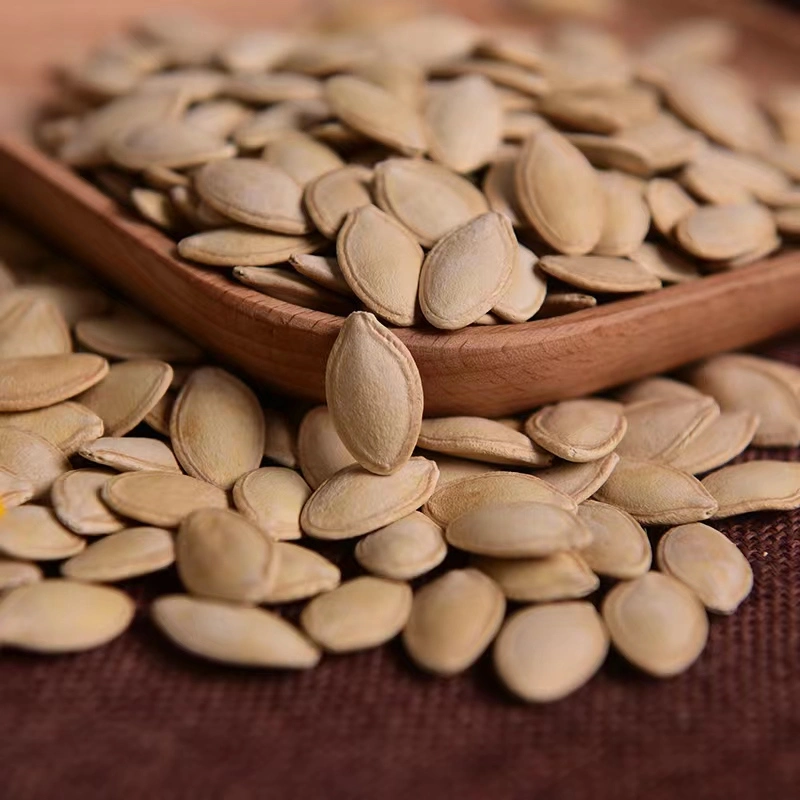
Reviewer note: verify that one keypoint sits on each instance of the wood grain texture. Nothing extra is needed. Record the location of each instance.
(488, 371)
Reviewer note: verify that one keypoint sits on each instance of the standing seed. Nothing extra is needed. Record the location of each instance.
(332, 196)
(272, 498)
(320, 451)
(525, 292)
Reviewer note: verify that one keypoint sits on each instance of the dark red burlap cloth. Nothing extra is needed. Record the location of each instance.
(139, 719)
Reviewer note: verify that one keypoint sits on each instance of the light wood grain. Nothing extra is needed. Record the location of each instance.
(488, 371)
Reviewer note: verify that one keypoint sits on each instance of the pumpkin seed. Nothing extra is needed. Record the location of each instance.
(499, 187)
(14, 491)
(580, 481)
(601, 273)
(196, 84)
(657, 623)
(302, 573)
(558, 303)
(615, 152)
(218, 117)
(362, 613)
(273, 122)
(127, 554)
(787, 221)
(354, 502)
(333, 195)
(372, 384)
(320, 451)
(229, 634)
(256, 51)
(322, 270)
(526, 291)
(61, 616)
(453, 620)
(658, 388)
(67, 425)
(17, 573)
(272, 498)
(501, 74)
(160, 414)
(31, 459)
(404, 549)
(451, 468)
(288, 287)
(664, 263)
(31, 327)
(544, 653)
(76, 501)
(229, 247)
(161, 499)
(627, 217)
(280, 440)
(754, 486)
(607, 111)
(668, 203)
(34, 533)
(131, 454)
(157, 208)
(263, 88)
(708, 563)
(578, 430)
(619, 547)
(301, 157)
(520, 125)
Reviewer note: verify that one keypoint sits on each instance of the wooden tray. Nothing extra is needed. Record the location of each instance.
(487, 371)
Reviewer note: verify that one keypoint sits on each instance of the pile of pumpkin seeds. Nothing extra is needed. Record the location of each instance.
(435, 171)
(124, 451)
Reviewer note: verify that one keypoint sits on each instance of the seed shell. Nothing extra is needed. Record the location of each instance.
(76, 501)
(754, 486)
(302, 573)
(66, 425)
(272, 499)
(33, 533)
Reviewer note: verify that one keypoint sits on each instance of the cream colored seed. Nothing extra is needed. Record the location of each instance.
(33, 532)
(658, 388)
(76, 501)
(66, 425)
(61, 616)
(272, 498)
(499, 188)
(31, 326)
(451, 468)
(230, 634)
(754, 486)
(280, 439)
(320, 451)
(302, 573)
(580, 481)
(289, 287)
(17, 573)
(546, 652)
(668, 203)
(31, 459)
(667, 265)
(322, 270)
(526, 291)
(709, 563)
(14, 491)
(601, 274)
(453, 620)
(333, 195)
(627, 217)
(302, 157)
(374, 394)
(230, 247)
(362, 613)
(267, 88)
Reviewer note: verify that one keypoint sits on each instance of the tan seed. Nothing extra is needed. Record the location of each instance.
(656, 623)
(162, 499)
(499, 187)
(665, 264)
(160, 414)
(453, 620)
(601, 273)
(76, 501)
(272, 498)
(280, 440)
(157, 208)
(668, 203)
(218, 117)
(265, 126)
(558, 303)
(787, 221)
(605, 111)
(580, 481)
(289, 287)
(404, 549)
(230, 247)
(658, 388)
(67, 425)
(34, 533)
(626, 220)
(362, 613)
(526, 291)
(301, 157)
(754, 486)
(323, 271)
(320, 451)
(17, 573)
(615, 152)
(301, 573)
(333, 195)
(14, 491)
(547, 652)
(31, 459)
(354, 502)
(263, 88)
(31, 326)
(229, 634)
(131, 454)
(127, 554)
(217, 427)
(374, 394)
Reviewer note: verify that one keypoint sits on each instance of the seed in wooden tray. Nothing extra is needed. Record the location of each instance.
(501, 74)
(371, 110)
(255, 193)
(381, 262)
(174, 145)
(362, 613)
(724, 439)
(467, 271)
(129, 334)
(266, 88)
(755, 486)
(491, 489)
(162, 499)
(557, 304)
(659, 429)
(76, 501)
(708, 563)
(666, 264)
(715, 101)
(31, 458)
(272, 498)
(218, 117)
(526, 291)
(196, 83)
(404, 549)
(131, 454)
(31, 327)
(614, 152)
(668, 203)
(374, 394)
(66, 425)
(560, 576)
(656, 494)
(289, 287)
(62, 616)
(256, 51)
(453, 620)
(14, 491)
(221, 555)
(580, 481)
(273, 122)
(787, 221)
(301, 156)
(657, 623)
(665, 142)
(320, 451)
(322, 270)
(426, 198)
(560, 193)
(499, 188)
(547, 652)
(620, 547)
(578, 430)
(157, 208)
(17, 573)
(458, 137)
(34, 533)
(333, 195)
(301, 573)
(726, 231)
(127, 554)
(164, 179)
(518, 530)
(601, 273)
(741, 382)
(230, 247)
(217, 427)
(37, 382)
(126, 395)
(354, 502)
(627, 217)
(87, 146)
(658, 388)
(280, 439)
(758, 253)
(230, 634)
(159, 415)
(403, 79)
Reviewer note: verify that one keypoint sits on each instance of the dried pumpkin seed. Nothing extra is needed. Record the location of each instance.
(31, 459)
(66, 425)
(754, 486)
(264, 88)
(668, 203)
(626, 220)
(280, 439)
(658, 388)
(157, 208)
(76, 501)
(580, 481)
(289, 287)
(14, 491)
(14, 574)
(333, 195)
(525, 292)
(302, 157)
(272, 498)
(273, 122)
(31, 327)
(664, 263)
(606, 111)
(130, 454)
(320, 451)
(230, 247)
(33, 533)
(787, 221)
(302, 573)
(499, 187)
(159, 415)
(558, 303)
(601, 273)
(322, 270)
(218, 117)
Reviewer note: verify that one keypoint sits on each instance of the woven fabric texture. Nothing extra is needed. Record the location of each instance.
(141, 719)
